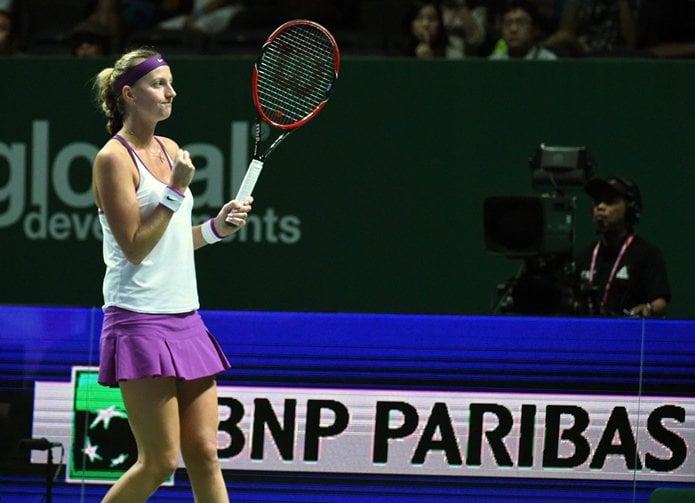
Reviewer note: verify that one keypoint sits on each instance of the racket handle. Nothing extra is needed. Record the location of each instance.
(249, 181)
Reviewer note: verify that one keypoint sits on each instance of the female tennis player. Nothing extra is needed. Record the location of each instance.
(154, 345)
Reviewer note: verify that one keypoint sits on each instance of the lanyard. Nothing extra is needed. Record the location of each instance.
(614, 270)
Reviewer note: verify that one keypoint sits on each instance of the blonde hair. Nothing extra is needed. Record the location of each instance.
(111, 103)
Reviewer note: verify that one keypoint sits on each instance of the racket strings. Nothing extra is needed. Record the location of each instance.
(295, 74)
(296, 84)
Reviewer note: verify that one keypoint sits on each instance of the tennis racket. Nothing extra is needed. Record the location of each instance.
(291, 82)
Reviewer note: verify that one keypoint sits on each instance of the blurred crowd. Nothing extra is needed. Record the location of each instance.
(550, 29)
(451, 29)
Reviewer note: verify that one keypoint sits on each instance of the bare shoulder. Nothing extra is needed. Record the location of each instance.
(111, 160)
(170, 145)
(111, 153)
(113, 173)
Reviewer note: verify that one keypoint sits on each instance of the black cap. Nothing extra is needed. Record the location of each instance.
(617, 184)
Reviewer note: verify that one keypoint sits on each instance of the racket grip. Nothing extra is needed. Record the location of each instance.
(249, 181)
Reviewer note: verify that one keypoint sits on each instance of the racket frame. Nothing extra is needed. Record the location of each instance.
(256, 164)
(254, 78)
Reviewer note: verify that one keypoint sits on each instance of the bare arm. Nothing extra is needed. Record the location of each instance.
(673, 50)
(567, 27)
(628, 24)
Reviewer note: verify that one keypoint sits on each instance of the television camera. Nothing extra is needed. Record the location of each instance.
(539, 230)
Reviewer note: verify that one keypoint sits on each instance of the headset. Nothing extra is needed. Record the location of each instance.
(633, 198)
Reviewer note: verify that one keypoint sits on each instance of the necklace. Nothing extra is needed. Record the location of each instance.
(156, 151)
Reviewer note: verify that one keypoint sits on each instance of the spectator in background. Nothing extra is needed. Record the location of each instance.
(595, 28)
(107, 13)
(521, 33)
(493, 24)
(124, 17)
(90, 39)
(464, 27)
(495, 9)
(207, 16)
(8, 41)
(424, 31)
(145, 14)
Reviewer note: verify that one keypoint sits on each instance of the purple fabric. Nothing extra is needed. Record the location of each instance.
(214, 229)
(135, 73)
(136, 345)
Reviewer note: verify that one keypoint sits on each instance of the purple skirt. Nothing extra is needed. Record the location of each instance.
(135, 345)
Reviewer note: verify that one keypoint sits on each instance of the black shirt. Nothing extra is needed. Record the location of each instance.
(640, 277)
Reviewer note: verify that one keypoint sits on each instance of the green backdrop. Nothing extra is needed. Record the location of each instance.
(376, 205)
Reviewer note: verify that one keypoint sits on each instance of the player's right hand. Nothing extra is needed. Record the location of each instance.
(183, 170)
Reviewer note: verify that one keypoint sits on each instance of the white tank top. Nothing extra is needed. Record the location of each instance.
(165, 281)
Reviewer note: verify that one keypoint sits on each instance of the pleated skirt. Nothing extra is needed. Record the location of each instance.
(136, 345)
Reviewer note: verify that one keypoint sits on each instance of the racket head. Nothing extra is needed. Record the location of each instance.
(294, 75)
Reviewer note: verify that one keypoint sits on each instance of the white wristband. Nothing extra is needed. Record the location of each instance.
(210, 234)
(171, 198)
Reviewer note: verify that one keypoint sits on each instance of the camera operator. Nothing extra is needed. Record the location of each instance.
(621, 274)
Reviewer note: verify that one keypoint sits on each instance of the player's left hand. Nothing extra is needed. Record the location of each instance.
(233, 216)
